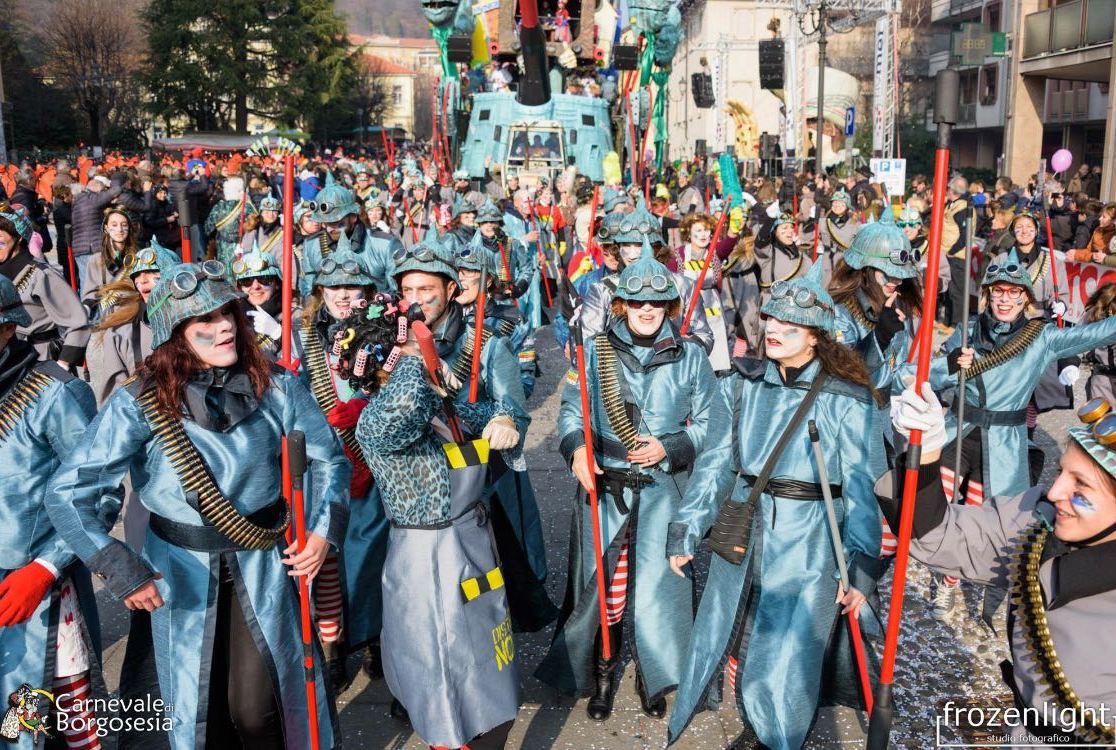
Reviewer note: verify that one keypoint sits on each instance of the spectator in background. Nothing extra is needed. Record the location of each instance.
(954, 233)
(160, 219)
(1097, 249)
(920, 187)
(26, 195)
(1004, 192)
(1087, 213)
(1077, 182)
(1000, 238)
(1062, 221)
(1091, 186)
(87, 217)
(63, 202)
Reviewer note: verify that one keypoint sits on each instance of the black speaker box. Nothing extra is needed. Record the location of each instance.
(702, 86)
(459, 49)
(771, 63)
(625, 57)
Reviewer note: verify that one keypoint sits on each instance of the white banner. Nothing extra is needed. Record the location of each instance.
(881, 70)
(892, 174)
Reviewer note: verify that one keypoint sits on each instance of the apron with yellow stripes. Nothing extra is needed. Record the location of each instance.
(448, 652)
(711, 306)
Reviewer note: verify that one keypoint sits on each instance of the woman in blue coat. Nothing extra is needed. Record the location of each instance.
(215, 571)
(348, 604)
(771, 613)
(49, 631)
(655, 406)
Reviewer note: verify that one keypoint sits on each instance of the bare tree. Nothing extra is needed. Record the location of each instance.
(92, 49)
(372, 92)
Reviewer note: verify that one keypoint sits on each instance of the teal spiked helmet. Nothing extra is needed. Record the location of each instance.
(841, 196)
(884, 246)
(342, 267)
(11, 306)
(630, 228)
(463, 206)
(1008, 269)
(301, 209)
(613, 198)
(256, 265)
(489, 213)
(802, 301)
(270, 203)
(646, 280)
(428, 256)
(186, 291)
(474, 256)
(153, 258)
(333, 203)
(18, 219)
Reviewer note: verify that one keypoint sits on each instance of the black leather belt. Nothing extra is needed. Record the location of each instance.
(44, 337)
(208, 538)
(615, 481)
(986, 418)
(795, 489)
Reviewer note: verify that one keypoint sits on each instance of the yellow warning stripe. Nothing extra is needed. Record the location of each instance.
(472, 453)
(471, 588)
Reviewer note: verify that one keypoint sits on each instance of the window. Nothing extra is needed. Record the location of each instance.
(989, 81)
(993, 15)
(587, 120)
(397, 96)
(484, 115)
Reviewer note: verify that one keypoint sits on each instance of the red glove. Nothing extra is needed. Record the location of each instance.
(362, 477)
(345, 414)
(22, 592)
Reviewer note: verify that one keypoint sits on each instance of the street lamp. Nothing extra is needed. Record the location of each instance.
(814, 19)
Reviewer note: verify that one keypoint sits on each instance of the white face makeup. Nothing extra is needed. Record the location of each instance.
(630, 252)
(646, 319)
(839, 207)
(1025, 232)
(787, 343)
(116, 226)
(212, 337)
(269, 217)
(429, 291)
(470, 285)
(488, 229)
(339, 299)
(259, 290)
(700, 235)
(145, 282)
(468, 219)
(8, 246)
(1082, 496)
(785, 234)
(308, 225)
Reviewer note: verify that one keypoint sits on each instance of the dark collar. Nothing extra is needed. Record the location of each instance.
(15, 264)
(795, 377)
(449, 330)
(667, 346)
(1078, 572)
(218, 399)
(990, 333)
(791, 251)
(16, 359)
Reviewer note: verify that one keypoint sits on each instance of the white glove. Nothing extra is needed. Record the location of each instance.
(1069, 375)
(773, 210)
(501, 434)
(266, 325)
(909, 411)
(1058, 309)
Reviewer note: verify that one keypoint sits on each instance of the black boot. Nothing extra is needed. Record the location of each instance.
(655, 709)
(373, 661)
(399, 712)
(336, 670)
(604, 691)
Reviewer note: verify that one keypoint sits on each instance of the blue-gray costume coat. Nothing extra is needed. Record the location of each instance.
(518, 525)
(525, 267)
(675, 397)
(225, 223)
(375, 249)
(41, 437)
(450, 660)
(996, 401)
(777, 608)
(365, 544)
(120, 440)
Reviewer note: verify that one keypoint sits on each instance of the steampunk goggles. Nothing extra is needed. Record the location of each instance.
(636, 284)
(351, 267)
(185, 283)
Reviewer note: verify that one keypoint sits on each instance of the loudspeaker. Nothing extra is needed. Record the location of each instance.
(186, 216)
(771, 63)
(702, 86)
(459, 49)
(699, 148)
(625, 57)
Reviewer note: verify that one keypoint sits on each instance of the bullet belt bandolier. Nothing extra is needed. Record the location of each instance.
(20, 398)
(1030, 617)
(24, 277)
(614, 480)
(463, 366)
(214, 507)
(321, 385)
(1010, 349)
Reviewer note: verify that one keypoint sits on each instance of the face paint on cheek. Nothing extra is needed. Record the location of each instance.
(202, 340)
(1082, 505)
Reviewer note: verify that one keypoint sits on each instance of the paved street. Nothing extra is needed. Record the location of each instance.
(937, 662)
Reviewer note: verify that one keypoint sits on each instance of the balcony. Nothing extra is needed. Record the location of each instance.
(1074, 25)
(952, 11)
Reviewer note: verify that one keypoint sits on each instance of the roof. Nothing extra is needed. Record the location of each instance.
(360, 40)
(384, 66)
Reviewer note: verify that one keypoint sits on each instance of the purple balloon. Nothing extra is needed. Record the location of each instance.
(1062, 160)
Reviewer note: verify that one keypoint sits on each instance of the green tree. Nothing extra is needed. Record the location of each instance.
(218, 63)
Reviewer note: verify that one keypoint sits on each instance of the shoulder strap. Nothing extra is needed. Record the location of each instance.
(795, 421)
(194, 476)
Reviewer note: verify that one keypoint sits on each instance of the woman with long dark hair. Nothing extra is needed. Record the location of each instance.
(118, 240)
(215, 571)
(774, 573)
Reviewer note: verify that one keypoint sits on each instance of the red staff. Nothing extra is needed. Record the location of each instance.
(945, 113)
(696, 296)
(296, 461)
(587, 432)
(478, 332)
(1049, 237)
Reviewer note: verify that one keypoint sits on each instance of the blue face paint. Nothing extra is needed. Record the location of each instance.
(1082, 504)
